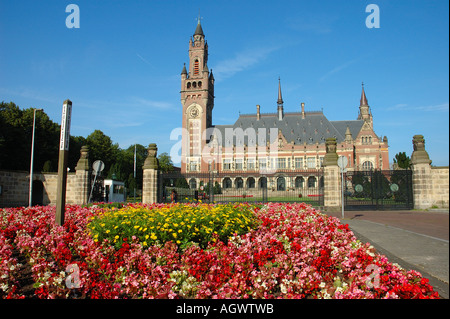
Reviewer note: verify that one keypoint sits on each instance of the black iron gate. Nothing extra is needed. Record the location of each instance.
(378, 190)
(214, 186)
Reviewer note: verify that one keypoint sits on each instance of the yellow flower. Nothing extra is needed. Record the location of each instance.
(144, 243)
(180, 231)
(116, 237)
(174, 235)
(153, 236)
(108, 231)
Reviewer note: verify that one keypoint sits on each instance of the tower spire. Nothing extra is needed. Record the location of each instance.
(199, 30)
(280, 99)
(363, 100)
(280, 102)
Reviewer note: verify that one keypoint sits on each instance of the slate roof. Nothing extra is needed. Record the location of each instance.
(315, 127)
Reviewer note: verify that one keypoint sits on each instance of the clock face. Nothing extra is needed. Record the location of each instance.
(194, 112)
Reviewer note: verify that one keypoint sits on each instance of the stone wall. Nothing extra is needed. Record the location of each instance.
(15, 185)
(14, 188)
(440, 187)
(430, 184)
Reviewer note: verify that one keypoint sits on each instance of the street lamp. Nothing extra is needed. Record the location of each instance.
(30, 196)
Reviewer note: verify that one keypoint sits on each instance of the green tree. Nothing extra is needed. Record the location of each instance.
(16, 128)
(402, 160)
(102, 148)
(165, 162)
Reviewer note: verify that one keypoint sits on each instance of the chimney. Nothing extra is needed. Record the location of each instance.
(258, 116)
(303, 110)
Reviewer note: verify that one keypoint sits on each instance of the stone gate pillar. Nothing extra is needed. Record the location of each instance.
(82, 177)
(422, 180)
(150, 178)
(331, 176)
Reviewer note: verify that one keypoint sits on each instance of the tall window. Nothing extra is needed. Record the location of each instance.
(262, 163)
(196, 67)
(299, 162)
(227, 164)
(193, 166)
(192, 183)
(311, 162)
(281, 163)
(238, 163)
(250, 164)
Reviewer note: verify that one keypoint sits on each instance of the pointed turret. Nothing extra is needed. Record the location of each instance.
(363, 100)
(280, 99)
(198, 30)
(280, 102)
(364, 109)
(184, 71)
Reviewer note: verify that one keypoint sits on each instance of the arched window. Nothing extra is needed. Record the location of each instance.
(250, 182)
(199, 84)
(196, 67)
(263, 182)
(188, 85)
(311, 182)
(367, 166)
(299, 182)
(281, 183)
(226, 183)
(239, 183)
(192, 183)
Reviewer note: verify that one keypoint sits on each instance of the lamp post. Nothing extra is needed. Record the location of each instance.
(30, 196)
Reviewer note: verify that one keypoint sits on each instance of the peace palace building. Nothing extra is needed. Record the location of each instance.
(266, 141)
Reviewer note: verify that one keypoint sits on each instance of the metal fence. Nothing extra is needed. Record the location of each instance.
(235, 186)
(376, 189)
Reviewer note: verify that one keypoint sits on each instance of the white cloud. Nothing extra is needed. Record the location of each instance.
(242, 61)
(336, 70)
(153, 104)
(427, 108)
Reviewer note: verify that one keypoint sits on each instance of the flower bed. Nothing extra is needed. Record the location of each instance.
(281, 251)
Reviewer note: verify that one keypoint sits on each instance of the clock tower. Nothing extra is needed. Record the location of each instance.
(197, 99)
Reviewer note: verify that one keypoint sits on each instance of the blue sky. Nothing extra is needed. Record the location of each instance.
(121, 68)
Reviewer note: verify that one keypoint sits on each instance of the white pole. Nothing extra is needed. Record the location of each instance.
(342, 183)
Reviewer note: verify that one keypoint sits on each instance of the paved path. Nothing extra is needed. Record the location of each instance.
(414, 239)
